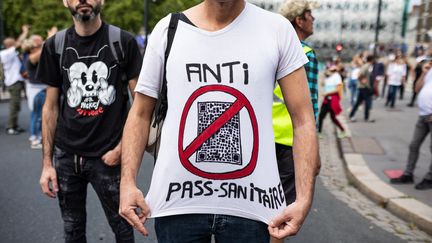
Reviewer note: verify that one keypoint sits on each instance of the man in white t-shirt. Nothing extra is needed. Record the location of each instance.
(13, 79)
(422, 129)
(216, 170)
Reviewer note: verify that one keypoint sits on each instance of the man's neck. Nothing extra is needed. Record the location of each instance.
(213, 15)
(89, 27)
(301, 35)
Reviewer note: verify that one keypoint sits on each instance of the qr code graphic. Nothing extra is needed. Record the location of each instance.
(224, 146)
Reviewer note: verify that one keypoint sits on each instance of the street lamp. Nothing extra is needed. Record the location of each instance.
(377, 27)
(146, 15)
(1, 23)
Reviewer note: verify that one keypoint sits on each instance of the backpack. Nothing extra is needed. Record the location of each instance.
(114, 39)
(161, 106)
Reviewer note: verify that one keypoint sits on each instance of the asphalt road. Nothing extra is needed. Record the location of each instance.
(27, 216)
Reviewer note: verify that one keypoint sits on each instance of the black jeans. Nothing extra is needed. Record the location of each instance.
(73, 175)
(364, 94)
(326, 108)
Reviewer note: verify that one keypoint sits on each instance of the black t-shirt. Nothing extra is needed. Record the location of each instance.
(93, 107)
(31, 70)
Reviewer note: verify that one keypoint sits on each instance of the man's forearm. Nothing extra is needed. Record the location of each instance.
(49, 125)
(134, 141)
(306, 161)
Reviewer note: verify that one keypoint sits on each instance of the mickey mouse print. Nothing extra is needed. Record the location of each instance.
(89, 87)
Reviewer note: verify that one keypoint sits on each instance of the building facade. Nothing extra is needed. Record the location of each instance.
(424, 22)
(351, 23)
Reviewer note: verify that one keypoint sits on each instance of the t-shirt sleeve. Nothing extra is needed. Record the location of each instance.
(152, 69)
(8, 54)
(48, 71)
(291, 55)
(133, 57)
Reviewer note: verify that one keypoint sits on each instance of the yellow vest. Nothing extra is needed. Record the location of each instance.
(282, 124)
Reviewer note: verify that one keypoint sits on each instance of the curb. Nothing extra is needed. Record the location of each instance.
(398, 203)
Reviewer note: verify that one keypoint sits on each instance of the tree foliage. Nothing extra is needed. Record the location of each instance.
(43, 14)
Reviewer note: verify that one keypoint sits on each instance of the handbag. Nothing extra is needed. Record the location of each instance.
(161, 106)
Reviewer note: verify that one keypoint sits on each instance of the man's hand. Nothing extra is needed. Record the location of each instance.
(25, 28)
(48, 176)
(290, 221)
(133, 207)
(112, 157)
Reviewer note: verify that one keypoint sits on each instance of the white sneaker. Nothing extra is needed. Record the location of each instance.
(342, 135)
(32, 138)
(36, 144)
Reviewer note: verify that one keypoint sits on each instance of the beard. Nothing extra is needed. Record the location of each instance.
(87, 15)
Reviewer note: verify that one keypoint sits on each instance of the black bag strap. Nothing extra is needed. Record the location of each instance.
(162, 102)
(114, 39)
(59, 42)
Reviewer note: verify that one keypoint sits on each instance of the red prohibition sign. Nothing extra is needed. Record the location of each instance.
(240, 103)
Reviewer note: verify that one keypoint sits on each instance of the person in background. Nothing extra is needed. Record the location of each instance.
(35, 89)
(299, 13)
(423, 127)
(396, 76)
(408, 71)
(366, 80)
(333, 88)
(378, 74)
(13, 78)
(355, 64)
(420, 61)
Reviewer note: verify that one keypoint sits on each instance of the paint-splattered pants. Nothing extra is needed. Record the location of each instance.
(73, 175)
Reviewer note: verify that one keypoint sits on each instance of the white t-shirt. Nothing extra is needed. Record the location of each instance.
(332, 81)
(395, 73)
(355, 72)
(217, 152)
(11, 65)
(425, 96)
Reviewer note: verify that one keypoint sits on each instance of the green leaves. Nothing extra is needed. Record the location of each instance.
(43, 14)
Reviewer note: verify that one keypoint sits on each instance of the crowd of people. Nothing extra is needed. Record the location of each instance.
(367, 78)
(80, 81)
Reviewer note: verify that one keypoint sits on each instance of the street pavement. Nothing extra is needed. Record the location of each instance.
(371, 149)
(339, 213)
(391, 135)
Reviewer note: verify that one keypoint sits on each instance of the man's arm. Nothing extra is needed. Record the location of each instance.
(113, 157)
(49, 123)
(134, 141)
(306, 162)
(420, 82)
(35, 56)
(24, 33)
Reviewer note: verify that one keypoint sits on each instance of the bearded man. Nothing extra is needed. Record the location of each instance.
(91, 65)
